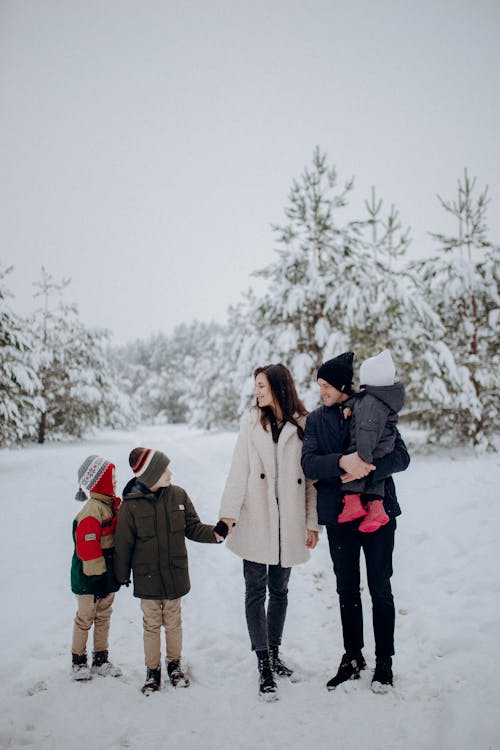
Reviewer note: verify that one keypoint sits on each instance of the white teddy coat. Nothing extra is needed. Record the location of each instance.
(270, 526)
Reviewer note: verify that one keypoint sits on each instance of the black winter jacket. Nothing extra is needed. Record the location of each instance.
(326, 439)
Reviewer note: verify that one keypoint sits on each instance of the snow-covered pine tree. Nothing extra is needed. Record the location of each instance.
(215, 386)
(132, 364)
(78, 388)
(167, 376)
(154, 366)
(461, 283)
(19, 383)
(387, 309)
(293, 322)
(338, 286)
(171, 376)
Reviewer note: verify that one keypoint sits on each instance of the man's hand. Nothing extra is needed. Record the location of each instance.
(355, 466)
(347, 478)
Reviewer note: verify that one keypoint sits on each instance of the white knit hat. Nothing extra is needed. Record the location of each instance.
(378, 370)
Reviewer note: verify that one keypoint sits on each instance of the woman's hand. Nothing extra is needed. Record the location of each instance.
(311, 538)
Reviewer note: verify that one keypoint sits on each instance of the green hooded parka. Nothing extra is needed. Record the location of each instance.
(150, 540)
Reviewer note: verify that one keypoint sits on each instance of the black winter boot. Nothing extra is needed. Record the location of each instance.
(153, 681)
(103, 667)
(349, 669)
(176, 675)
(79, 670)
(268, 690)
(382, 679)
(277, 665)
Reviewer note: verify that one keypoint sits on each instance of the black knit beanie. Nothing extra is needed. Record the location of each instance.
(338, 372)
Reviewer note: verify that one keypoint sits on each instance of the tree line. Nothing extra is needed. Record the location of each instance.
(334, 284)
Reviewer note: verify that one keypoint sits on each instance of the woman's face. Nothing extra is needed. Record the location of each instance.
(262, 391)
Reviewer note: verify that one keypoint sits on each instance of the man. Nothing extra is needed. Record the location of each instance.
(323, 460)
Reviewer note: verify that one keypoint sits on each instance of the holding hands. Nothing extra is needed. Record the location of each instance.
(223, 527)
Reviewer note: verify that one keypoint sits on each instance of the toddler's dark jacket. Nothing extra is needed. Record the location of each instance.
(374, 418)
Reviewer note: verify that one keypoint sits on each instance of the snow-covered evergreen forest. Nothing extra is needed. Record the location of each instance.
(335, 283)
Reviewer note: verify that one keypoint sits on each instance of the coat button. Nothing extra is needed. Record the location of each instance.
(299, 481)
(262, 476)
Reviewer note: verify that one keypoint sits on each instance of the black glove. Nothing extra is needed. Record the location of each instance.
(221, 528)
(100, 588)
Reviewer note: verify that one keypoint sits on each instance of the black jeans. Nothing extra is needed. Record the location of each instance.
(265, 629)
(345, 547)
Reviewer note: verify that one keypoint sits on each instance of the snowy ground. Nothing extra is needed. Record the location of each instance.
(446, 585)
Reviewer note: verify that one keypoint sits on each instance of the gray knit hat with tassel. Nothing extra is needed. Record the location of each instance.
(89, 474)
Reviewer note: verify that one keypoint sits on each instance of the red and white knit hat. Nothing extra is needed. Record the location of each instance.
(95, 475)
(148, 465)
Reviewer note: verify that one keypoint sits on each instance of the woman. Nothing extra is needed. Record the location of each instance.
(272, 508)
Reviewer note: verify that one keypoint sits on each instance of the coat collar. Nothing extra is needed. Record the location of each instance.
(106, 499)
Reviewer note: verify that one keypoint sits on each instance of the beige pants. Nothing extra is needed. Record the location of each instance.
(158, 612)
(91, 613)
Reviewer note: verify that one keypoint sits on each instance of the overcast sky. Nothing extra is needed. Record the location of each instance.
(146, 147)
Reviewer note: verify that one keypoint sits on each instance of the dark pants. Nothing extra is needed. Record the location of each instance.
(265, 629)
(345, 547)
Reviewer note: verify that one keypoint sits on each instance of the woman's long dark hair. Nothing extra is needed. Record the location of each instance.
(285, 395)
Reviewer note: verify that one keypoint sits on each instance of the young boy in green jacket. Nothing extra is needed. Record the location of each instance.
(154, 519)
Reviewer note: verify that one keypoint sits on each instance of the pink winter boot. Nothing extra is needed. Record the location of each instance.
(353, 508)
(375, 518)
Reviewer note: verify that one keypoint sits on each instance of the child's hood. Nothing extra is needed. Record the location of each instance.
(132, 492)
(392, 396)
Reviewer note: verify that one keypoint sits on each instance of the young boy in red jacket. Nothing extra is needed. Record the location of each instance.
(92, 577)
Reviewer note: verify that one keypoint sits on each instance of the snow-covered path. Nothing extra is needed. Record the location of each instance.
(446, 586)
